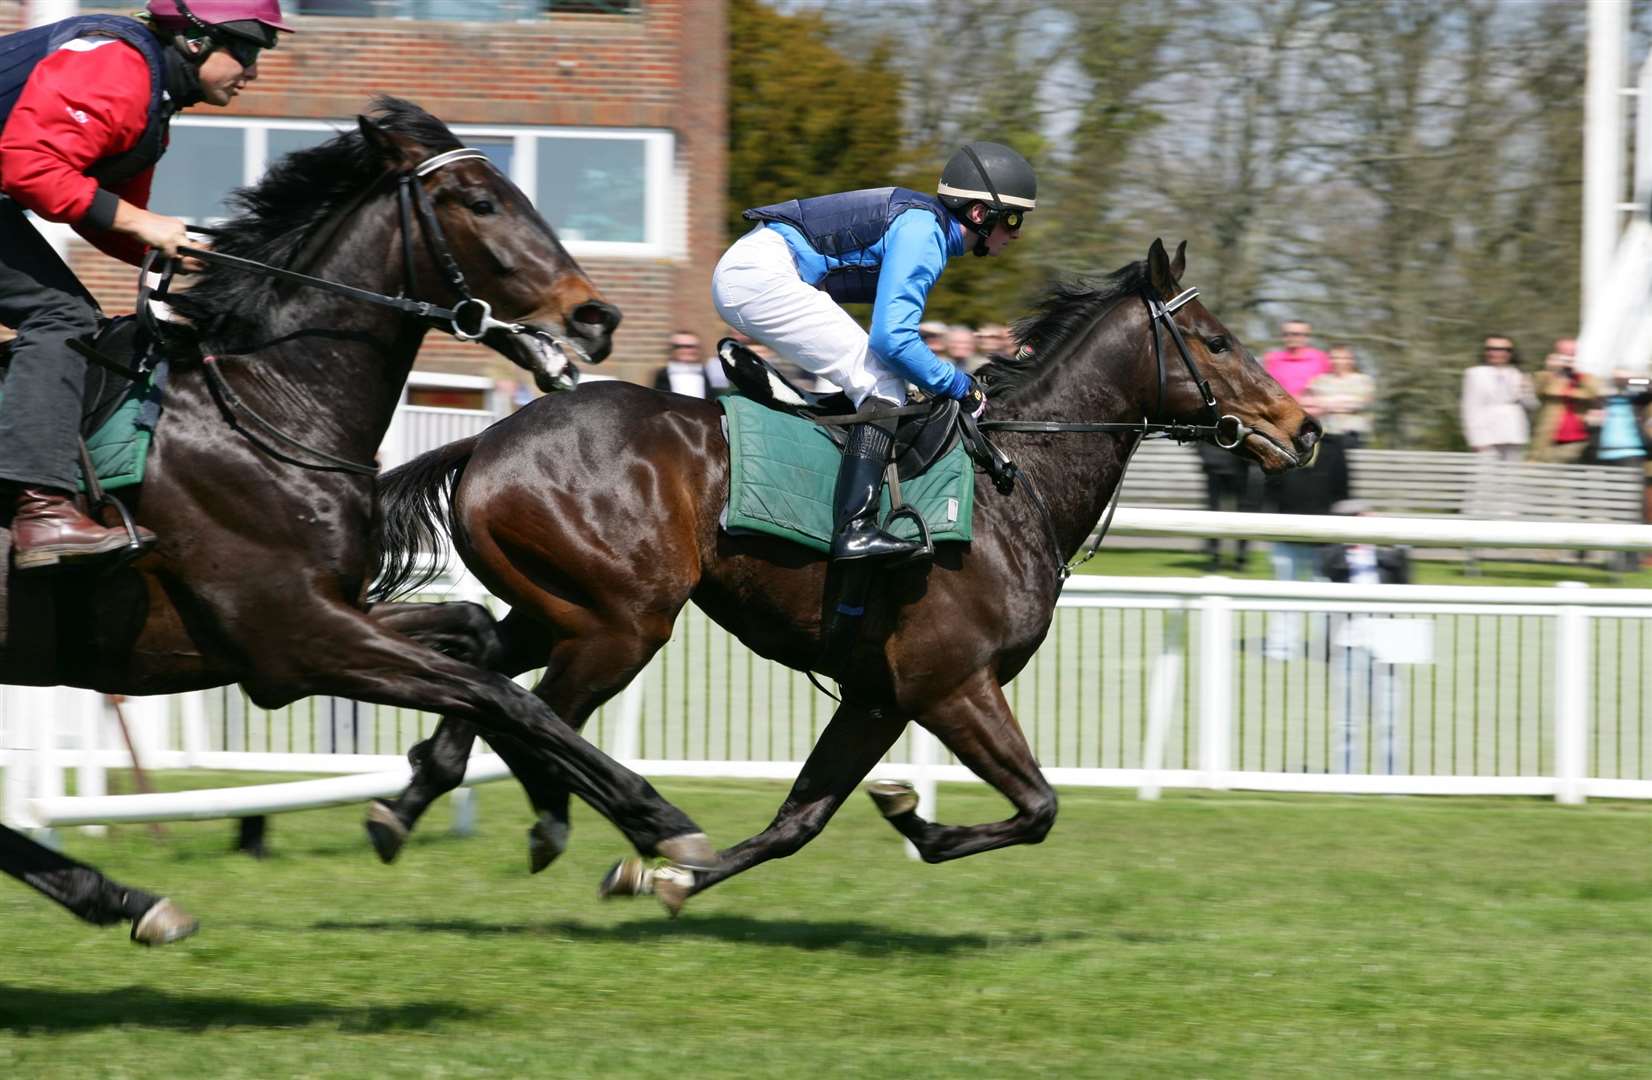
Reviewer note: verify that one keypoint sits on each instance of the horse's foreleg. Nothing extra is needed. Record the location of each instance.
(976, 724)
(90, 895)
(850, 746)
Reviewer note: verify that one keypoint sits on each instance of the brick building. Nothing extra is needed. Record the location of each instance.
(610, 114)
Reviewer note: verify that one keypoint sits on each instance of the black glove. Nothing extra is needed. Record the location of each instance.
(974, 402)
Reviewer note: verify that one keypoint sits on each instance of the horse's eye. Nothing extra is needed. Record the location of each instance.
(481, 207)
(1217, 344)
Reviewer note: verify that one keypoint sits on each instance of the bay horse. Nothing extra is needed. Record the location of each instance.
(595, 516)
(91, 896)
(260, 482)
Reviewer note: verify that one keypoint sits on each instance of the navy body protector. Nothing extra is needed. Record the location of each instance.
(22, 51)
(840, 225)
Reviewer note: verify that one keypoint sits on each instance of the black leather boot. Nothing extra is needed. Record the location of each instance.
(855, 505)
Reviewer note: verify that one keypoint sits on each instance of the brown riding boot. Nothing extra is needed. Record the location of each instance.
(47, 528)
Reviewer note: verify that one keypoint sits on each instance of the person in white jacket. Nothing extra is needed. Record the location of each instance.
(1497, 397)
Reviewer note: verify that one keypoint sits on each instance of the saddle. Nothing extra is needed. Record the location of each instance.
(927, 431)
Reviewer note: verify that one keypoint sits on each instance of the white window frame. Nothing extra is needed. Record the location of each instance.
(659, 151)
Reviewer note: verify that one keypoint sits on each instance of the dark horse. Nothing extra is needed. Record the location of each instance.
(595, 516)
(266, 542)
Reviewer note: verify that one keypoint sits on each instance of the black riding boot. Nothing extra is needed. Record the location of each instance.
(855, 531)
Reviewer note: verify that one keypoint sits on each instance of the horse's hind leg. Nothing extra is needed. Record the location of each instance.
(850, 746)
(976, 724)
(91, 896)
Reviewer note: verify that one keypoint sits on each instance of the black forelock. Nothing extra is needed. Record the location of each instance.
(1061, 315)
(272, 220)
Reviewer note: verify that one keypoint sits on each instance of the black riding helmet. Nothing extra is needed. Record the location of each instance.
(993, 174)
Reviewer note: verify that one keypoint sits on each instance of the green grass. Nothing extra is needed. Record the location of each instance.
(1203, 935)
(1139, 562)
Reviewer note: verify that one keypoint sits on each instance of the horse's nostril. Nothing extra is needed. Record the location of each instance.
(596, 317)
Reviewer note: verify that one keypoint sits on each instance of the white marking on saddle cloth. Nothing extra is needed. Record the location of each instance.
(951, 511)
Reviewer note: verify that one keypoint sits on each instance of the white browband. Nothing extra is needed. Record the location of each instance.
(464, 153)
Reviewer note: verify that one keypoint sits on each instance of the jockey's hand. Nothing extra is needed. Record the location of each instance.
(975, 402)
(162, 232)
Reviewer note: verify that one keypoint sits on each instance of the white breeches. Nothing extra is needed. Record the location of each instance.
(757, 291)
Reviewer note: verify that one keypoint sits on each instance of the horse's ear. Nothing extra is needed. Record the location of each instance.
(394, 150)
(1159, 274)
(1179, 263)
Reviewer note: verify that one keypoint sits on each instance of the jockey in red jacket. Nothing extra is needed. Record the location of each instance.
(84, 108)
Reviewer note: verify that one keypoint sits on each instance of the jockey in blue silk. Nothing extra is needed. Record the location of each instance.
(781, 285)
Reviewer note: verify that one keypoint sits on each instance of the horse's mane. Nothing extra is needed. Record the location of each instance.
(1061, 316)
(274, 219)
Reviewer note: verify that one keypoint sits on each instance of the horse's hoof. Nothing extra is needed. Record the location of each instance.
(164, 923)
(629, 877)
(692, 851)
(894, 797)
(673, 885)
(634, 877)
(386, 830)
(547, 839)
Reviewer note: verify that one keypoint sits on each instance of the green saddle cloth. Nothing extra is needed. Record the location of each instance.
(782, 472)
(120, 446)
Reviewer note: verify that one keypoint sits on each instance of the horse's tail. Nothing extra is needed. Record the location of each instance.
(416, 514)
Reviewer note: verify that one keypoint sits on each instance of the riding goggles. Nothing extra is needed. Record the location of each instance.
(244, 50)
(1010, 216)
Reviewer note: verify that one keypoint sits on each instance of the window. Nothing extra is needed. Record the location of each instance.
(605, 191)
(594, 189)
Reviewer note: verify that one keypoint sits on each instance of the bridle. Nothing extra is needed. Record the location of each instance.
(468, 320)
(1223, 429)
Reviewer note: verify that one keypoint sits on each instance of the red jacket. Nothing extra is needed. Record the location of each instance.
(80, 105)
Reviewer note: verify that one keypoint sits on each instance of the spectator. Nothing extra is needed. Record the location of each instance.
(1565, 397)
(1232, 484)
(960, 349)
(934, 335)
(1312, 489)
(1362, 668)
(1621, 439)
(686, 371)
(1343, 398)
(1496, 397)
(1298, 363)
(994, 339)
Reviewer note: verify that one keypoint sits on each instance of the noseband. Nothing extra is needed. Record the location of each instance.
(1224, 429)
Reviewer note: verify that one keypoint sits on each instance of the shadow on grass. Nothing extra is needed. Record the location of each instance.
(27, 1009)
(858, 937)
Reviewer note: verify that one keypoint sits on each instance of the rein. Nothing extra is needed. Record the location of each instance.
(469, 320)
(1224, 429)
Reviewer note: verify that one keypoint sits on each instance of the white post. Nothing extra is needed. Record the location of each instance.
(1215, 688)
(1167, 672)
(1603, 138)
(1571, 711)
(925, 752)
(464, 811)
(17, 786)
(628, 719)
(192, 716)
(90, 777)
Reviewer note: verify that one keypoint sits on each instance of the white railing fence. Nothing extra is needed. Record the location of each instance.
(1146, 683)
